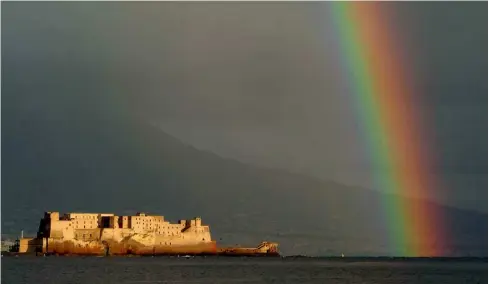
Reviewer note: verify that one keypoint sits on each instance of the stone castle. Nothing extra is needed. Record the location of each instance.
(96, 232)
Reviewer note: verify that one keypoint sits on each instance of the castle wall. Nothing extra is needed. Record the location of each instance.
(124, 222)
(28, 245)
(73, 247)
(197, 234)
(61, 229)
(84, 220)
(142, 223)
(115, 234)
(86, 234)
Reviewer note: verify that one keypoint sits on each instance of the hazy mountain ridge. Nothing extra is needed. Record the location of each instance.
(126, 166)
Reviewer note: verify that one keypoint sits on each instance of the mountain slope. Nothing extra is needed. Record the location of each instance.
(109, 164)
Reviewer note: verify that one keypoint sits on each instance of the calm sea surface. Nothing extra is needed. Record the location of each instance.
(238, 270)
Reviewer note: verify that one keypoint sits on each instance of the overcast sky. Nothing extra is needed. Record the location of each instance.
(255, 82)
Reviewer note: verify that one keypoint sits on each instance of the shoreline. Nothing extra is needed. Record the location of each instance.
(267, 256)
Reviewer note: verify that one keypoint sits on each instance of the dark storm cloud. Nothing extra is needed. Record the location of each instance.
(257, 82)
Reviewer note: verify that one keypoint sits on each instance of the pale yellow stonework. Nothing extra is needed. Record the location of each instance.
(85, 228)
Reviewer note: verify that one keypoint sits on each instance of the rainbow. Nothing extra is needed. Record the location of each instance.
(378, 78)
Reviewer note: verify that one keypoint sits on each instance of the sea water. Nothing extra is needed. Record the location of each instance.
(26, 269)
